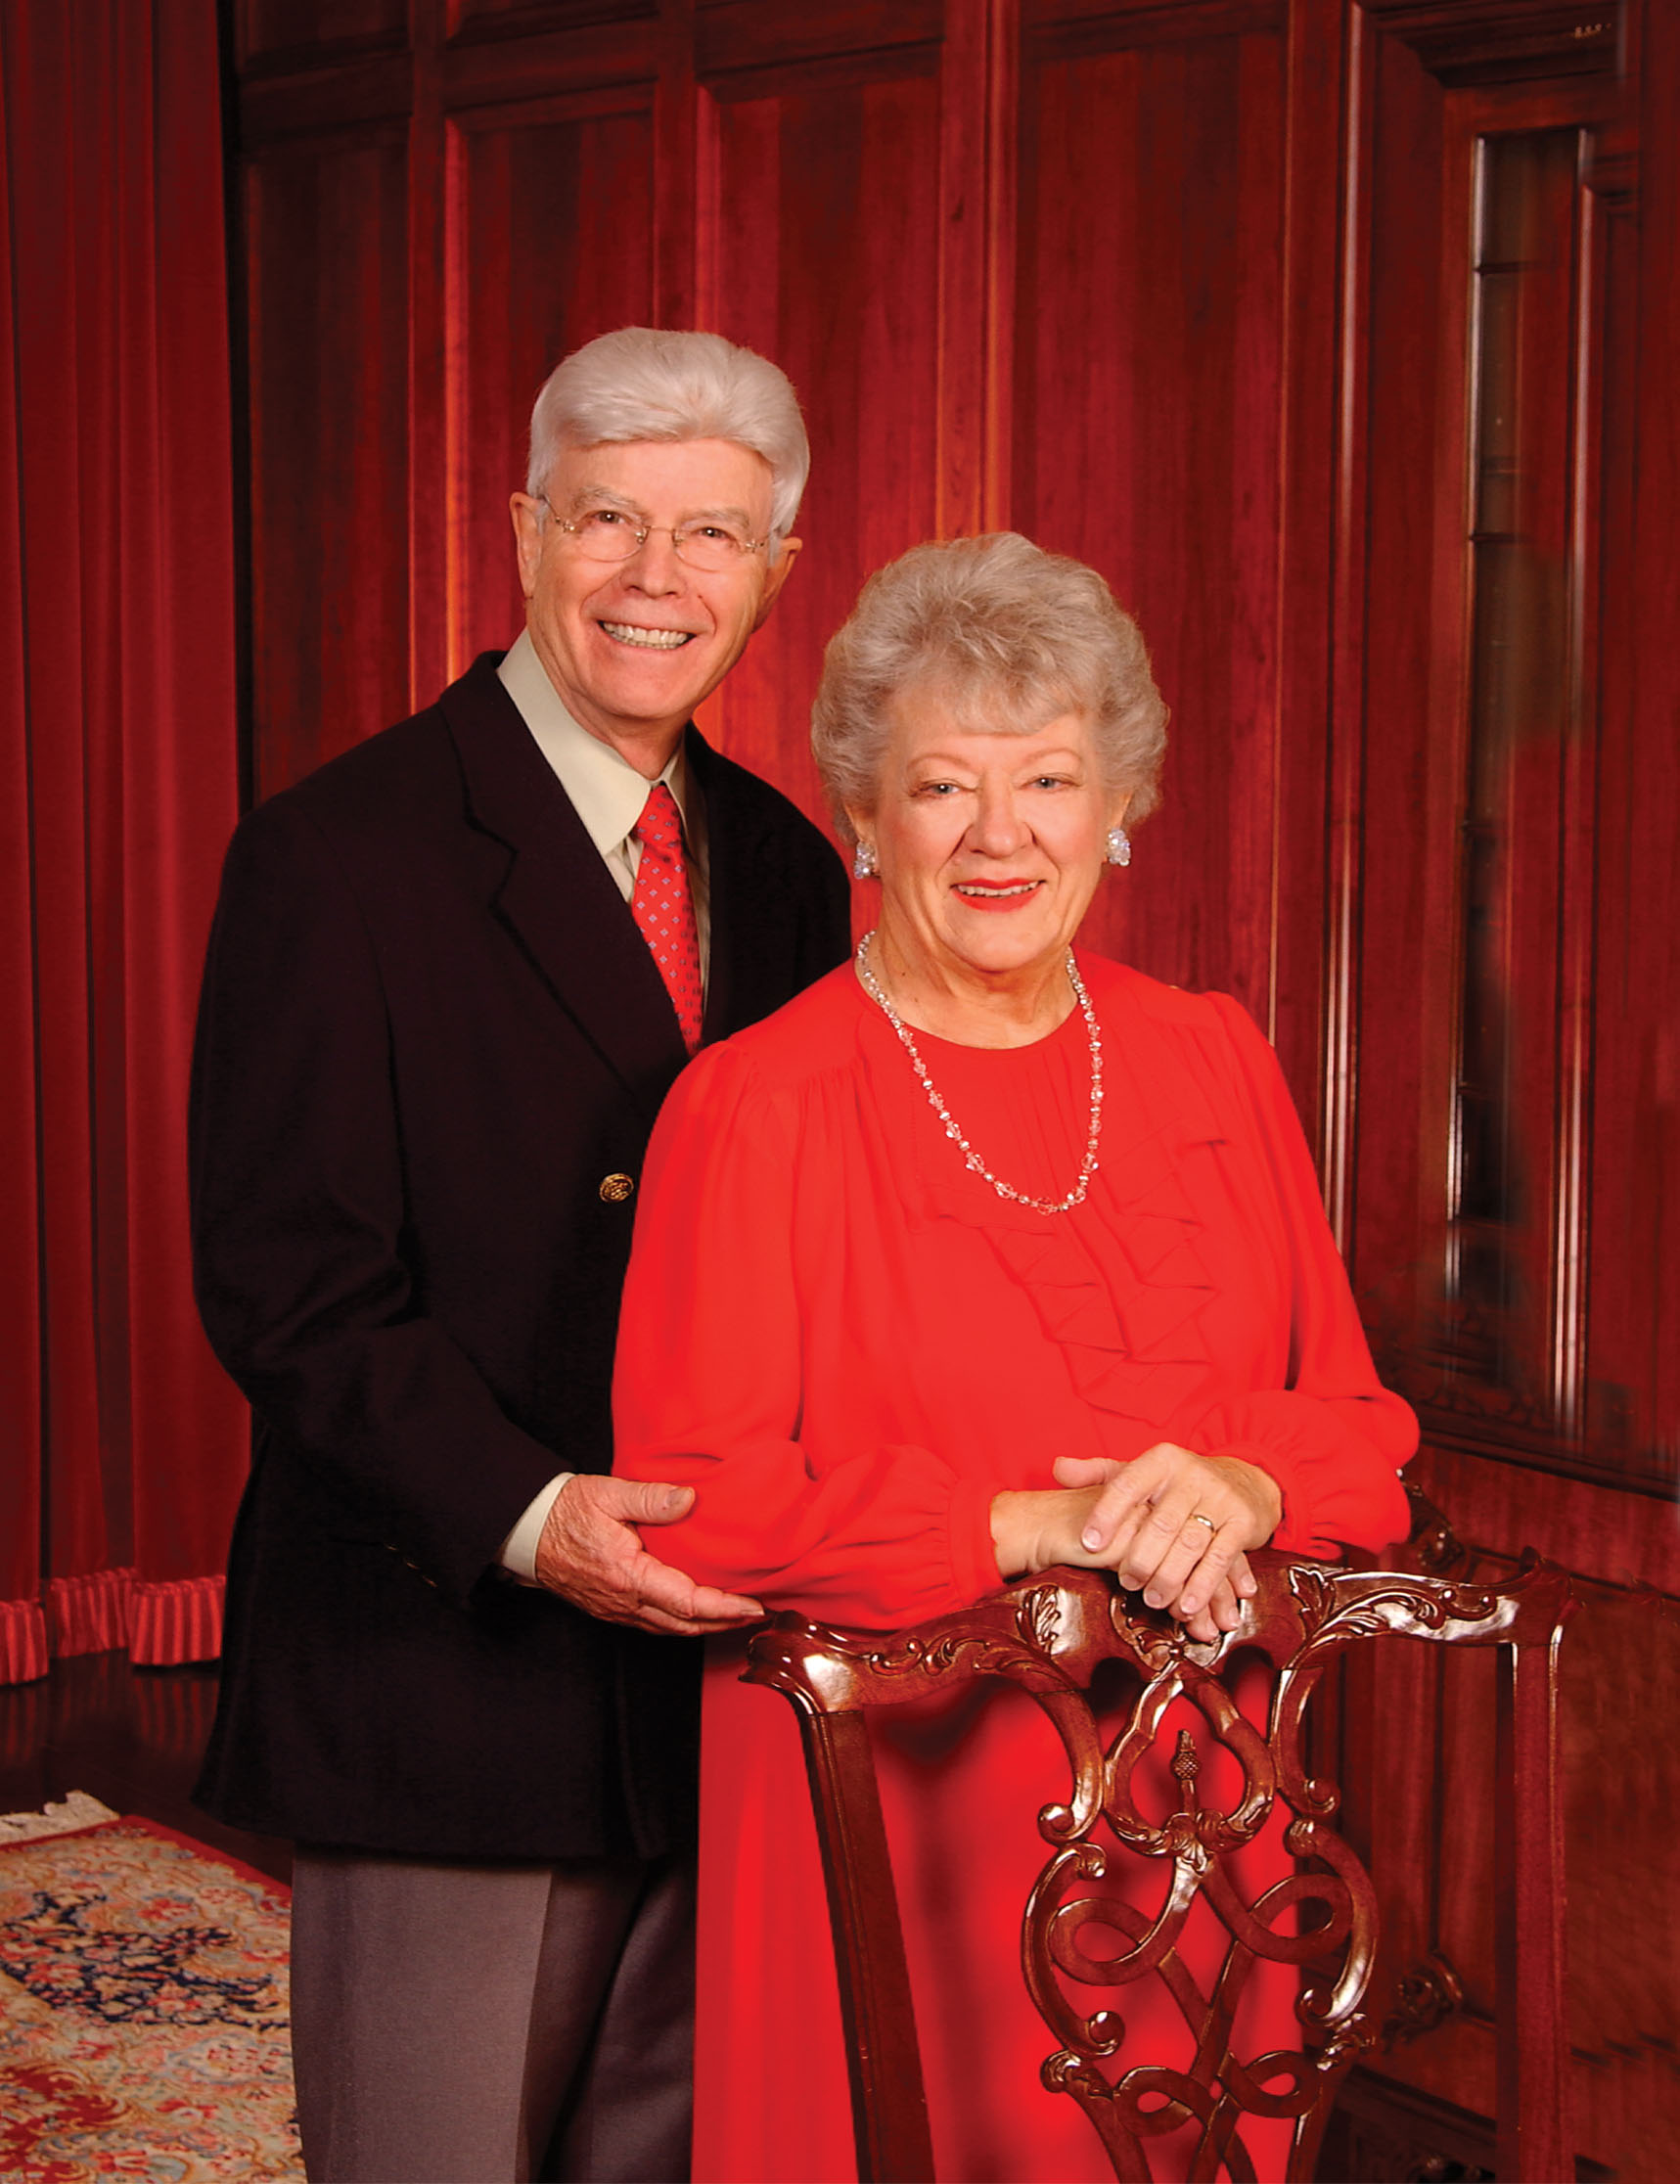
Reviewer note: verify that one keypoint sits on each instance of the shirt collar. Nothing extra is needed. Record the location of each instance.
(606, 791)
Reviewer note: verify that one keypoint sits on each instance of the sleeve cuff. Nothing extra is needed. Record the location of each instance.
(974, 1559)
(518, 1549)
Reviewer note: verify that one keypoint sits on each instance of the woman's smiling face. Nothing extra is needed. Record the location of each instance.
(989, 843)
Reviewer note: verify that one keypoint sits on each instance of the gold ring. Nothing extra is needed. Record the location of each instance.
(1197, 1517)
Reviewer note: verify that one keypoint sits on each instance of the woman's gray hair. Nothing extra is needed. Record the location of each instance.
(1010, 637)
(644, 383)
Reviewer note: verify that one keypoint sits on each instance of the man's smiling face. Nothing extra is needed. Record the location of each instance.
(633, 646)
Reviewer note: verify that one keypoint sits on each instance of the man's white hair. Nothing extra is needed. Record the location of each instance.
(646, 383)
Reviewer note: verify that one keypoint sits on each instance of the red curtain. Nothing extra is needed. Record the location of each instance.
(124, 1445)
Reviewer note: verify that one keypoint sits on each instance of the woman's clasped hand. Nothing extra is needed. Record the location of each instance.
(1171, 1525)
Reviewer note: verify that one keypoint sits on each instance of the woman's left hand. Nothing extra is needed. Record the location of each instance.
(1177, 1526)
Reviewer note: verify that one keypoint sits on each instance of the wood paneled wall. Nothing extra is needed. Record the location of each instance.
(1199, 291)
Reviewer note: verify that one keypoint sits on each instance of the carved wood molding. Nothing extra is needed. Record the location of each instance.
(1066, 29)
(1437, 1547)
(478, 22)
(1425, 1994)
(1503, 41)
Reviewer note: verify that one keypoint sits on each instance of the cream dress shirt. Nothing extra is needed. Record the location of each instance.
(607, 795)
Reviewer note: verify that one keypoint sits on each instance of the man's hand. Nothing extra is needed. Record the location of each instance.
(591, 1553)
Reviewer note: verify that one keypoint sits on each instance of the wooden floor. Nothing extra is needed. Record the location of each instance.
(130, 1737)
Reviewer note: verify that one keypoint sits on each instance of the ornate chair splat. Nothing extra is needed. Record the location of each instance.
(1049, 1634)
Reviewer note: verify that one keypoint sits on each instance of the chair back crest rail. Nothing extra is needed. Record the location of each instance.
(1049, 1634)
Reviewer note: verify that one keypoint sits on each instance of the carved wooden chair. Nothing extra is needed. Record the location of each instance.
(1049, 1635)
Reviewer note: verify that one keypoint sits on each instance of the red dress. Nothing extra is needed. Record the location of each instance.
(848, 1343)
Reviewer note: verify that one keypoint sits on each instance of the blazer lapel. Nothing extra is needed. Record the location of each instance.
(751, 968)
(555, 894)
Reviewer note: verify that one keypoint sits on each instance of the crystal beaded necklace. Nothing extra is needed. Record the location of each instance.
(877, 992)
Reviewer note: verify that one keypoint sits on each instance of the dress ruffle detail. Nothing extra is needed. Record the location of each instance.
(1130, 1331)
(1120, 1285)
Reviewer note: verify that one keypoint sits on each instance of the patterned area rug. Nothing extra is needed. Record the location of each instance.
(143, 1999)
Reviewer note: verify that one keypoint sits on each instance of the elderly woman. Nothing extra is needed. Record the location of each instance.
(980, 1257)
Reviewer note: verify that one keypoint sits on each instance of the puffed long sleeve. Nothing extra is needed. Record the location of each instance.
(709, 1390)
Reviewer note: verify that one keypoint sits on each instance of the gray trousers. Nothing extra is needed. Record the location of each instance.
(489, 2025)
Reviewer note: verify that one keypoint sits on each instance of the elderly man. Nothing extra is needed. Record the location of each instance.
(452, 976)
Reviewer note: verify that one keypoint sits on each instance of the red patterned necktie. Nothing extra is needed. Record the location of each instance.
(665, 910)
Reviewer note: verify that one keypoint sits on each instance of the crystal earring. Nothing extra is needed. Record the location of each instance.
(1119, 846)
(863, 864)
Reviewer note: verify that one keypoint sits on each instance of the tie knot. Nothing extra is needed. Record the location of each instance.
(660, 825)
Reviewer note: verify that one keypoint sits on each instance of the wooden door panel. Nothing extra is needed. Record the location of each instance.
(824, 253)
(1632, 1128)
(1429, 1845)
(1624, 1879)
(1148, 388)
(1479, 747)
(1492, 734)
(272, 32)
(551, 225)
(1411, 679)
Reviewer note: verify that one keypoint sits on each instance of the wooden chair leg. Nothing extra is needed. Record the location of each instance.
(1535, 2142)
(890, 2106)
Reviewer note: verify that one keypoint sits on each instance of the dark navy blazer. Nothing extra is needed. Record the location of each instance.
(430, 1032)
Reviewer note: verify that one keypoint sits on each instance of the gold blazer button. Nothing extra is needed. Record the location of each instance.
(615, 1189)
